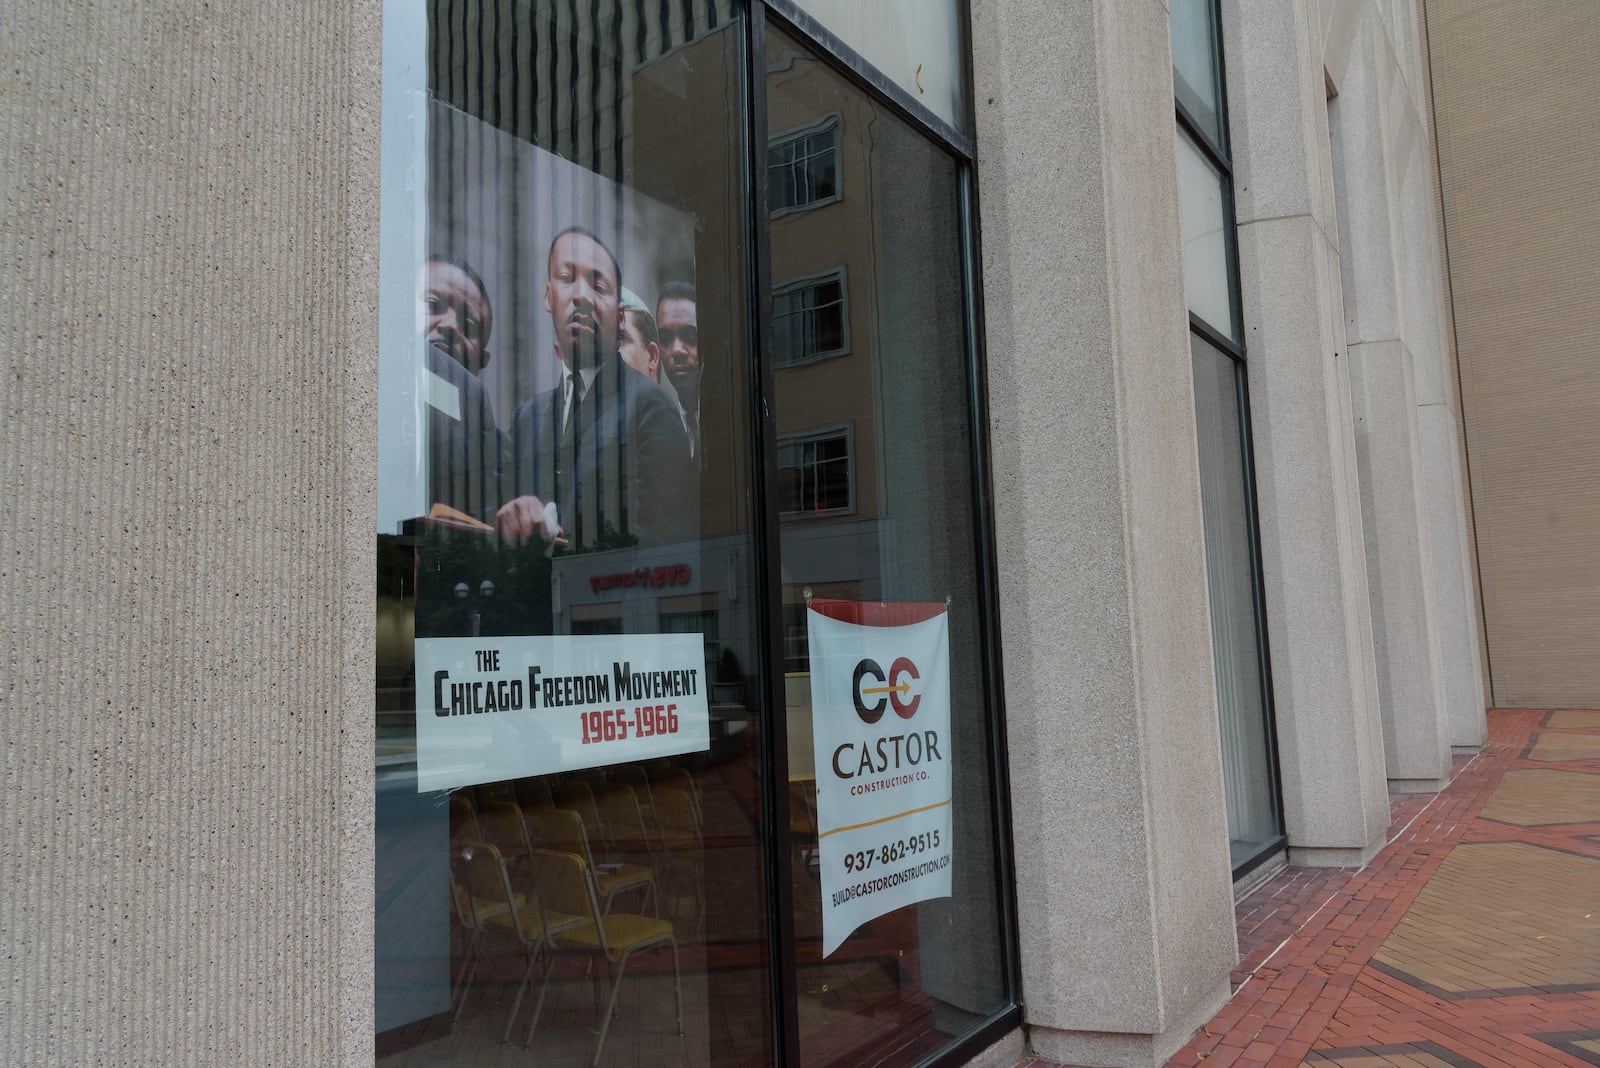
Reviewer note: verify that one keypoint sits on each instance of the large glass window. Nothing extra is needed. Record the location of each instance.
(1222, 425)
(631, 494)
(1196, 72)
(898, 942)
(570, 847)
(1236, 642)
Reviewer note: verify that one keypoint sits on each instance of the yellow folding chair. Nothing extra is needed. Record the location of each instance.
(463, 816)
(633, 775)
(564, 880)
(622, 819)
(680, 777)
(534, 793)
(562, 830)
(678, 832)
(502, 827)
(577, 796)
(480, 870)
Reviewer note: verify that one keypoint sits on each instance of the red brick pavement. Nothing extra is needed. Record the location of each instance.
(1308, 990)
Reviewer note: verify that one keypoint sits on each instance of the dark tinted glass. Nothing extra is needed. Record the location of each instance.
(569, 848)
(899, 931)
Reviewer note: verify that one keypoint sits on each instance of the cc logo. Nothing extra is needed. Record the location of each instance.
(894, 685)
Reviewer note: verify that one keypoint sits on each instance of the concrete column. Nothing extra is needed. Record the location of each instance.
(1376, 137)
(190, 242)
(1123, 888)
(1319, 628)
(1430, 329)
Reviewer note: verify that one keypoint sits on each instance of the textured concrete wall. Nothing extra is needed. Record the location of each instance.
(1123, 886)
(1330, 742)
(1396, 333)
(189, 243)
(1514, 93)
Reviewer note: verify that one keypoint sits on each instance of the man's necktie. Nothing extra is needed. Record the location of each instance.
(569, 407)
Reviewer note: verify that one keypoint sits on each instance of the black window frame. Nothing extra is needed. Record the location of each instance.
(757, 220)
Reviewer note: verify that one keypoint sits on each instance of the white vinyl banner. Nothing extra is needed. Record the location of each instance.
(490, 709)
(880, 701)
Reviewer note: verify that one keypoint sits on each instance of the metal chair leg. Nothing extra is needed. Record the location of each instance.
(533, 960)
(472, 971)
(677, 983)
(538, 1006)
(605, 1024)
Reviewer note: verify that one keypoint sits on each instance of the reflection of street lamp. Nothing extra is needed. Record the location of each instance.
(476, 617)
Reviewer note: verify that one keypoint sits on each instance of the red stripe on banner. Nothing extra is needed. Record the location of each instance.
(875, 613)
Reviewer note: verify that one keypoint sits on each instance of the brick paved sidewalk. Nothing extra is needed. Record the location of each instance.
(1473, 939)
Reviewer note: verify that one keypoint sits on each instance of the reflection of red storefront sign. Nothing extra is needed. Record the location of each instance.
(644, 577)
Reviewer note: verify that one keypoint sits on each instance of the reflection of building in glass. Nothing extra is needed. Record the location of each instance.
(803, 166)
(858, 324)
(816, 473)
(810, 318)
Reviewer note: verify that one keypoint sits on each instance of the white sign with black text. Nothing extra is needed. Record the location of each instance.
(490, 709)
(880, 696)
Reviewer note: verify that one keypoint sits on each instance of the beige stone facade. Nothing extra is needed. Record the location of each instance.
(1519, 164)
(190, 340)
(191, 249)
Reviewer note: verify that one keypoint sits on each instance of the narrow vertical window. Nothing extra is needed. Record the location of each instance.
(1222, 426)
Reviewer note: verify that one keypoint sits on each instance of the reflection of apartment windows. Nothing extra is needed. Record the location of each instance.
(815, 473)
(597, 618)
(810, 318)
(803, 167)
(703, 623)
(597, 626)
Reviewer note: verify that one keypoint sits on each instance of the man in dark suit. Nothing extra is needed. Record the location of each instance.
(464, 443)
(606, 445)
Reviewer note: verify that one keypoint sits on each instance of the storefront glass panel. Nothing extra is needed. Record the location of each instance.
(605, 514)
(568, 794)
(897, 926)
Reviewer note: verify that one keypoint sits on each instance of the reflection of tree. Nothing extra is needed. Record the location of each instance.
(453, 568)
(453, 564)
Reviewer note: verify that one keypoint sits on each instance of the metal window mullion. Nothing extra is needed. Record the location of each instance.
(988, 585)
(796, 22)
(1259, 599)
(1216, 338)
(774, 764)
(1213, 152)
